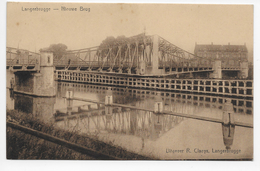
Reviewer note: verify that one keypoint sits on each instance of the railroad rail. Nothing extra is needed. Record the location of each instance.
(59, 141)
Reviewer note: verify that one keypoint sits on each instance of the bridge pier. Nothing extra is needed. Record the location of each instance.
(120, 70)
(141, 68)
(154, 68)
(217, 71)
(37, 83)
(244, 69)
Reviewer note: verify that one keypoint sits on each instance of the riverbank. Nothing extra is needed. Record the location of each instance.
(26, 146)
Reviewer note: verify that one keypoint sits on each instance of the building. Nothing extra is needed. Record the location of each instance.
(234, 58)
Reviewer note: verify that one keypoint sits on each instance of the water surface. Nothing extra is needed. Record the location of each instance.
(143, 132)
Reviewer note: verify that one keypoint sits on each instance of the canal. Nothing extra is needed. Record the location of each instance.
(143, 132)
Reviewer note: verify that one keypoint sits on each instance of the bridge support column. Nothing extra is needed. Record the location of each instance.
(120, 70)
(141, 68)
(217, 71)
(110, 69)
(155, 60)
(46, 84)
(244, 69)
(191, 75)
(129, 70)
(38, 83)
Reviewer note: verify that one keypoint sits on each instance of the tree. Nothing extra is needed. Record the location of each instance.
(108, 42)
(58, 50)
(111, 42)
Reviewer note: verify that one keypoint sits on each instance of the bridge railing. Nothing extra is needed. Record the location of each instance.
(76, 62)
(20, 61)
(21, 57)
(10, 55)
(172, 63)
(79, 63)
(60, 62)
(186, 63)
(231, 64)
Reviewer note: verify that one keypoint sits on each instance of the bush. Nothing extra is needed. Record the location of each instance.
(25, 146)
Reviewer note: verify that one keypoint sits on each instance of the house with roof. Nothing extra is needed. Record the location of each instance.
(234, 58)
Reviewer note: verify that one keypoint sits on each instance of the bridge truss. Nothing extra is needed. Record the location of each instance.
(126, 56)
(22, 60)
(141, 54)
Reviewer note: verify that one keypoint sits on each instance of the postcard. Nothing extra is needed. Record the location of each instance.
(108, 81)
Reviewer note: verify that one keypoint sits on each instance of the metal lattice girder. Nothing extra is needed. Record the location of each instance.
(179, 55)
(106, 58)
(126, 53)
(117, 55)
(123, 53)
(168, 48)
(15, 56)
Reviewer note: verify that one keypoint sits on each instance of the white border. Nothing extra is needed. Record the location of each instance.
(21, 165)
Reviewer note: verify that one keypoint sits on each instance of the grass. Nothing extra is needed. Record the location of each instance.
(25, 146)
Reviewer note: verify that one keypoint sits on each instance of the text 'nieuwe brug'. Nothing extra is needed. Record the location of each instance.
(62, 8)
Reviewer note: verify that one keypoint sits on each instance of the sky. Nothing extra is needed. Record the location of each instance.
(182, 25)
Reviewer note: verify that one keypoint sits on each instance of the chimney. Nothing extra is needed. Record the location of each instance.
(228, 43)
(211, 43)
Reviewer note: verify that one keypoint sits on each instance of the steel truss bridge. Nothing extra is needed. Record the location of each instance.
(140, 54)
(127, 56)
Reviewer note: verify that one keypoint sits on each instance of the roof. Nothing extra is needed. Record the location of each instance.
(234, 48)
(222, 48)
(208, 47)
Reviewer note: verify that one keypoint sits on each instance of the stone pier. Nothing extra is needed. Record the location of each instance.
(39, 83)
(244, 69)
(217, 71)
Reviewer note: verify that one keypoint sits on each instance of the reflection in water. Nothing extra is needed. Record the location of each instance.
(228, 135)
(40, 107)
(144, 124)
(141, 131)
(130, 96)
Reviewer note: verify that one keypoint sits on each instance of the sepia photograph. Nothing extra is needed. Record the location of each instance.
(128, 81)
